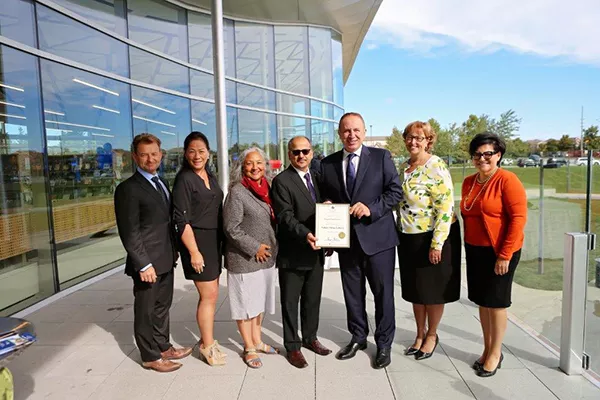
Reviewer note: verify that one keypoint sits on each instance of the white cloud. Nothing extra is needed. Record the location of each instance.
(550, 28)
(372, 46)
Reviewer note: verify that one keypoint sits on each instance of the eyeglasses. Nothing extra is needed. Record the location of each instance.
(486, 154)
(419, 139)
(303, 151)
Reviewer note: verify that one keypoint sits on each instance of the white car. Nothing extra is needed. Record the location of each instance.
(583, 161)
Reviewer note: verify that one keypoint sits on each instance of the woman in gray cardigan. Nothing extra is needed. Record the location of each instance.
(250, 251)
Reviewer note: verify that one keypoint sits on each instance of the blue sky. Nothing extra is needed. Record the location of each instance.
(415, 64)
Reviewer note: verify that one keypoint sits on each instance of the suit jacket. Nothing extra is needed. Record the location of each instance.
(145, 228)
(377, 186)
(247, 225)
(295, 212)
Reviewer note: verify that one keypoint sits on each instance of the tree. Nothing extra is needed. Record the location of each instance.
(566, 143)
(467, 131)
(395, 144)
(591, 139)
(517, 148)
(507, 126)
(552, 145)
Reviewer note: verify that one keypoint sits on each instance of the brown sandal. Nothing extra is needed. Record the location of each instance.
(252, 359)
(267, 349)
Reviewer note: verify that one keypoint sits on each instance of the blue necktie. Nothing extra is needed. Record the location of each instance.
(310, 186)
(350, 174)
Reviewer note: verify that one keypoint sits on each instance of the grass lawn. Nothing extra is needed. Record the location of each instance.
(561, 179)
(552, 278)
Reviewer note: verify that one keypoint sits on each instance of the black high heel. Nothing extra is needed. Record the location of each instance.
(483, 373)
(411, 351)
(477, 365)
(421, 355)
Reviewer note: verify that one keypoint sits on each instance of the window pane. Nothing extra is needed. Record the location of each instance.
(254, 97)
(67, 38)
(291, 58)
(322, 136)
(254, 53)
(159, 25)
(321, 110)
(108, 13)
(25, 252)
(16, 21)
(203, 85)
(203, 120)
(200, 33)
(338, 69)
(321, 80)
(167, 117)
(287, 128)
(260, 130)
(88, 133)
(292, 104)
(148, 68)
(337, 113)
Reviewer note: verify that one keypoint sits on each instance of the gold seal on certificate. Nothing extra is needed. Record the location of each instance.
(333, 225)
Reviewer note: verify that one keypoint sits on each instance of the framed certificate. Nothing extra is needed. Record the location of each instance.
(333, 225)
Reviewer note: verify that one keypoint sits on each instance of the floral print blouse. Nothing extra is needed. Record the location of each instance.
(428, 201)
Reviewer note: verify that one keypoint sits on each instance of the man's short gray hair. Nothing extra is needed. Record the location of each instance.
(296, 137)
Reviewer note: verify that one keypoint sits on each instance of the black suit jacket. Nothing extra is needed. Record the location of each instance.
(377, 186)
(145, 228)
(295, 212)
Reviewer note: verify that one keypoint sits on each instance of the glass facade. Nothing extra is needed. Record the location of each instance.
(109, 70)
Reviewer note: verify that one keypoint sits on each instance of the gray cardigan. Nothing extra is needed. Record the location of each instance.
(247, 225)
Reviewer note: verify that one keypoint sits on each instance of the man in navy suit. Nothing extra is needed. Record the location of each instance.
(366, 178)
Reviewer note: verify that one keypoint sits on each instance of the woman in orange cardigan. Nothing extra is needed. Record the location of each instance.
(494, 209)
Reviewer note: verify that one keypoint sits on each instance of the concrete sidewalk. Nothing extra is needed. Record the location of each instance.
(86, 351)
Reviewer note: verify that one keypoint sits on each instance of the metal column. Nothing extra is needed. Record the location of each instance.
(572, 336)
(220, 93)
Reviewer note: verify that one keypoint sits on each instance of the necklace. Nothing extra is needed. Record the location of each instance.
(476, 180)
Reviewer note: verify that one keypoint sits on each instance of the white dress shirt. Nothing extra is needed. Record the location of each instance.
(355, 161)
(302, 173)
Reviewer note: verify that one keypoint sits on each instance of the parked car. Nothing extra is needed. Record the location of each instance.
(555, 163)
(507, 161)
(583, 161)
(526, 162)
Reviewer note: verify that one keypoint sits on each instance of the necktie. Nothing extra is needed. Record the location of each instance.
(350, 174)
(160, 189)
(310, 186)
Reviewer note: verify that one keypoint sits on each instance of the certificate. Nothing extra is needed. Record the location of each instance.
(333, 225)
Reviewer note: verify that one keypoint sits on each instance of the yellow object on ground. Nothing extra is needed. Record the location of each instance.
(6, 385)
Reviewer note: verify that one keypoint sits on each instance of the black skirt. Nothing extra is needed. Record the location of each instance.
(486, 289)
(209, 244)
(426, 283)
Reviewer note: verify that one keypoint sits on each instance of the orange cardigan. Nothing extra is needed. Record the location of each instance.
(503, 209)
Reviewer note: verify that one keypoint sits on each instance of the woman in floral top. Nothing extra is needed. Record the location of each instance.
(429, 250)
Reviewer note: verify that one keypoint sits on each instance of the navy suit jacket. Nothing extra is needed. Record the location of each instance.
(377, 186)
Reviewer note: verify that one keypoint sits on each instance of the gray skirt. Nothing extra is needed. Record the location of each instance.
(252, 293)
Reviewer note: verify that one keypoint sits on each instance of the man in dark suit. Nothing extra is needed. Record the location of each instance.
(367, 179)
(295, 193)
(143, 211)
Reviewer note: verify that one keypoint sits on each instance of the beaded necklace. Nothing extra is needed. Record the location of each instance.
(476, 180)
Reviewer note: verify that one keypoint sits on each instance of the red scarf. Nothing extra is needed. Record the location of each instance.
(260, 191)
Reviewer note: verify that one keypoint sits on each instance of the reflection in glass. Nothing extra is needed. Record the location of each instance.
(291, 59)
(88, 133)
(338, 68)
(254, 48)
(166, 116)
(322, 135)
(159, 25)
(321, 110)
(16, 21)
(292, 104)
(254, 97)
(337, 113)
(258, 129)
(148, 68)
(109, 14)
(25, 253)
(287, 128)
(200, 39)
(321, 80)
(67, 38)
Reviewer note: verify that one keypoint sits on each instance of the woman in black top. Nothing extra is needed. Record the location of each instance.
(197, 214)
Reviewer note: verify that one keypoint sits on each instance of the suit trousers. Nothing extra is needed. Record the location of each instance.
(151, 315)
(306, 286)
(378, 269)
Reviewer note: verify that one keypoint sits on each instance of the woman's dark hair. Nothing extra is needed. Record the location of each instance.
(195, 135)
(484, 138)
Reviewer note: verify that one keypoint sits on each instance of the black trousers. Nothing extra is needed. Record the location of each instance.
(356, 269)
(151, 315)
(305, 286)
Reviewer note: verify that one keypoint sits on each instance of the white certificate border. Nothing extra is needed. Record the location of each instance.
(346, 244)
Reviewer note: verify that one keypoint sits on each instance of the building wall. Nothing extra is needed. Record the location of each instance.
(80, 78)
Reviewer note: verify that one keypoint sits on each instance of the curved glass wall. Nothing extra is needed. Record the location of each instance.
(111, 69)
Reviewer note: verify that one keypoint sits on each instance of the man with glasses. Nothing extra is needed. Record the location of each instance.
(300, 262)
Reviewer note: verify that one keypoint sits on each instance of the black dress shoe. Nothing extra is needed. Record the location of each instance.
(383, 358)
(483, 373)
(350, 350)
(411, 351)
(421, 355)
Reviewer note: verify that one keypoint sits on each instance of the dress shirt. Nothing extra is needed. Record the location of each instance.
(302, 173)
(355, 161)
